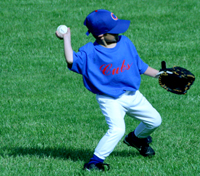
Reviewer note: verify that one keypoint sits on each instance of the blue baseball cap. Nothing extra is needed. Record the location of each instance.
(103, 21)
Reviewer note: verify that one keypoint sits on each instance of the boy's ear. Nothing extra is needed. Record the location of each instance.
(100, 36)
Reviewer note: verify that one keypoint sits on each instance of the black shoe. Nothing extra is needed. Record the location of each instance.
(149, 140)
(141, 145)
(98, 166)
(146, 150)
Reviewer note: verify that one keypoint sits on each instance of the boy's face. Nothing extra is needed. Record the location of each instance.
(111, 38)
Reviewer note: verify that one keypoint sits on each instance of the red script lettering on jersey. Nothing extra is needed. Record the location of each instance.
(107, 69)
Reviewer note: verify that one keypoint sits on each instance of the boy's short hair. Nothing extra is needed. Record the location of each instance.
(103, 21)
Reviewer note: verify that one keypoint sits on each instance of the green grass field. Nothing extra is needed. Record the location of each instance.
(50, 124)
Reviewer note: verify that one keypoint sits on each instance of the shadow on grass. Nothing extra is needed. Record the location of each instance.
(63, 153)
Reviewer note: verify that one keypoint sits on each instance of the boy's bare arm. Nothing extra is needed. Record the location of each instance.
(151, 72)
(67, 46)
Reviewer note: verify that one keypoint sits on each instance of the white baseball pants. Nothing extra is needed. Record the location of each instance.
(135, 105)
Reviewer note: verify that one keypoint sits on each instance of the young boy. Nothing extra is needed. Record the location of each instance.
(111, 69)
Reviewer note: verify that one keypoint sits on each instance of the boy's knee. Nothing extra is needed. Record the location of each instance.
(157, 121)
(117, 131)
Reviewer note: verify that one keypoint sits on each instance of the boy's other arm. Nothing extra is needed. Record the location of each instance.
(151, 72)
(68, 48)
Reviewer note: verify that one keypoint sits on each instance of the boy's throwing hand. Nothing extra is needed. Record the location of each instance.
(61, 36)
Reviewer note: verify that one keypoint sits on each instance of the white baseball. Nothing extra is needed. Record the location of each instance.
(62, 29)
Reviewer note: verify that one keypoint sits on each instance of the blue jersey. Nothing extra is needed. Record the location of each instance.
(109, 71)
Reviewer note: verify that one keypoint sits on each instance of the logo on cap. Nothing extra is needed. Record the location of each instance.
(114, 17)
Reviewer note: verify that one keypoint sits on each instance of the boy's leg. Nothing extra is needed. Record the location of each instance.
(150, 119)
(143, 111)
(114, 114)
